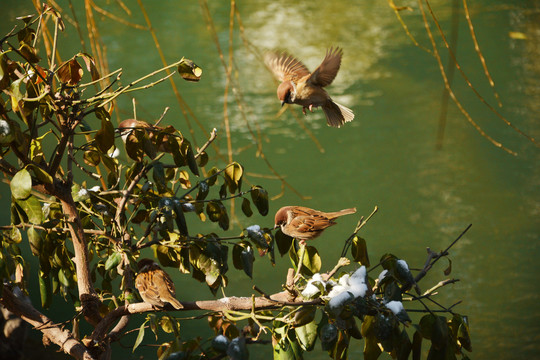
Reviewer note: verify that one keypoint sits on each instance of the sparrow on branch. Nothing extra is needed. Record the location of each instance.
(304, 223)
(155, 285)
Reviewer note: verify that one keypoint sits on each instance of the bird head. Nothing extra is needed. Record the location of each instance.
(146, 264)
(281, 217)
(286, 92)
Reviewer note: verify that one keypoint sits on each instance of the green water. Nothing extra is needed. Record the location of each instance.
(387, 156)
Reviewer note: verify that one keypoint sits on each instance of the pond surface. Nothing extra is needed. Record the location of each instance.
(387, 157)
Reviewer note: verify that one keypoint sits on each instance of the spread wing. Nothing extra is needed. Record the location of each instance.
(327, 71)
(284, 66)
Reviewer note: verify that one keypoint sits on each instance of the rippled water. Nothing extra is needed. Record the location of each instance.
(387, 156)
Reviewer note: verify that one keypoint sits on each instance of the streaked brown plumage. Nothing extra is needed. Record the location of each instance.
(299, 86)
(155, 285)
(304, 223)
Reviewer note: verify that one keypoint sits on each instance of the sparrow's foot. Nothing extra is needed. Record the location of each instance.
(304, 110)
(311, 107)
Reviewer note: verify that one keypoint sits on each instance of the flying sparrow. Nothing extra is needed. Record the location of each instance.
(304, 223)
(299, 86)
(155, 285)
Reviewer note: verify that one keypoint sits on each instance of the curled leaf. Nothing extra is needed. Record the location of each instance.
(189, 71)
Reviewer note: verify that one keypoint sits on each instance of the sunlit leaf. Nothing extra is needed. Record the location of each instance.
(16, 94)
(70, 72)
(40, 174)
(212, 176)
(307, 335)
(140, 336)
(233, 175)
(29, 53)
(90, 65)
(359, 251)
(113, 260)
(21, 184)
(91, 158)
(189, 70)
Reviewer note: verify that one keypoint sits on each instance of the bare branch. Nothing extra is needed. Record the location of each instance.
(28, 313)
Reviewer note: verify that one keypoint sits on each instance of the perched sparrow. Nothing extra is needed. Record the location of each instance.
(299, 86)
(304, 223)
(155, 286)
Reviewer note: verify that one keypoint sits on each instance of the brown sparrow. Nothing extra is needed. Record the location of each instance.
(155, 285)
(304, 223)
(299, 86)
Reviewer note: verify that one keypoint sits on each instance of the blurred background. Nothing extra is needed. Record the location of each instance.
(431, 175)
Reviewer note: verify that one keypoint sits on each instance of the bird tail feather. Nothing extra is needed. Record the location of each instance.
(336, 114)
(337, 214)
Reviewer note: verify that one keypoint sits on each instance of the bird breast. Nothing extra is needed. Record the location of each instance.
(307, 94)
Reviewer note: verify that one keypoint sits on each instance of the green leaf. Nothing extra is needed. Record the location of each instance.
(304, 315)
(45, 291)
(359, 251)
(140, 336)
(113, 261)
(21, 184)
(259, 196)
(311, 263)
(36, 240)
(307, 335)
(64, 280)
(40, 174)
(32, 208)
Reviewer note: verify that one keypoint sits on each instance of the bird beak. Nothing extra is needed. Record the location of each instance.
(276, 226)
(282, 103)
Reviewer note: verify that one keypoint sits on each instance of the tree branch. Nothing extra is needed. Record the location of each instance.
(277, 300)
(28, 313)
